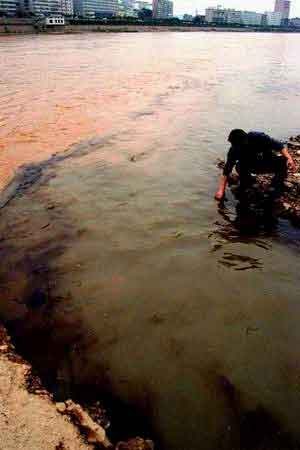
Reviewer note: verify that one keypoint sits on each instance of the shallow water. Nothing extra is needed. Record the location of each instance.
(186, 311)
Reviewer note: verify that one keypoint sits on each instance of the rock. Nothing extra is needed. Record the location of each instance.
(95, 433)
(4, 348)
(61, 407)
(135, 444)
(286, 206)
(157, 319)
(298, 152)
(178, 234)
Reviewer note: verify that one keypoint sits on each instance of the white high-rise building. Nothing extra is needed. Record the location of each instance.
(273, 18)
(216, 15)
(251, 18)
(9, 7)
(233, 17)
(42, 7)
(67, 8)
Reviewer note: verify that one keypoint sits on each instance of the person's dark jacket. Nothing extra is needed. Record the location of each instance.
(259, 145)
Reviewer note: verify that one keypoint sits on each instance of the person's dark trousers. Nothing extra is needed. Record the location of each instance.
(272, 164)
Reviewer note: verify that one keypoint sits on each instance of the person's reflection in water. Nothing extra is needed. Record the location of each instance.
(248, 223)
(255, 214)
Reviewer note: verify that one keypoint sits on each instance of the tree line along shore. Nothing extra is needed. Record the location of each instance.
(32, 25)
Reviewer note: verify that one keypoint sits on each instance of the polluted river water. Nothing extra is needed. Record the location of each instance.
(119, 272)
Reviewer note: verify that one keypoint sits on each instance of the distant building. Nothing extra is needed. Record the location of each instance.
(216, 15)
(127, 8)
(93, 9)
(273, 19)
(162, 9)
(139, 5)
(42, 7)
(295, 22)
(251, 18)
(283, 7)
(130, 8)
(222, 16)
(234, 17)
(9, 7)
(67, 7)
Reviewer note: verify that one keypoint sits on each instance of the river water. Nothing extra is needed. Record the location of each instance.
(185, 311)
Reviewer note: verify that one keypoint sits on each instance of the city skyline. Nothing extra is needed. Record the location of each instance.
(189, 6)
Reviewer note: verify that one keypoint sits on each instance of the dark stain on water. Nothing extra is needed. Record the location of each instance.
(52, 335)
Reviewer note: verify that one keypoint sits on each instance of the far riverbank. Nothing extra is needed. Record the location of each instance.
(28, 26)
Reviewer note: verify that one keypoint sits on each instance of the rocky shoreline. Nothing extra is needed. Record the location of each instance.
(288, 205)
(31, 419)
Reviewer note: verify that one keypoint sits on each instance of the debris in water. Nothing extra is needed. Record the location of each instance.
(136, 444)
(250, 330)
(178, 234)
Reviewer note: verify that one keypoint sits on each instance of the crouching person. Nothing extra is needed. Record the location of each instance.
(255, 153)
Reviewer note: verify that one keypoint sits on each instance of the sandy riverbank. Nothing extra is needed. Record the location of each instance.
(32, 420)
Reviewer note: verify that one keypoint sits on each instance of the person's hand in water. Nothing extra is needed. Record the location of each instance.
(219, 195)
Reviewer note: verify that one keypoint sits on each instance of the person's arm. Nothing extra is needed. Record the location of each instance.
(290, 161)
(231, 160)
(279, 146)
(222, 187)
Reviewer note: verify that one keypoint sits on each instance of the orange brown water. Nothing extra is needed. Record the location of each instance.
(59, 90)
